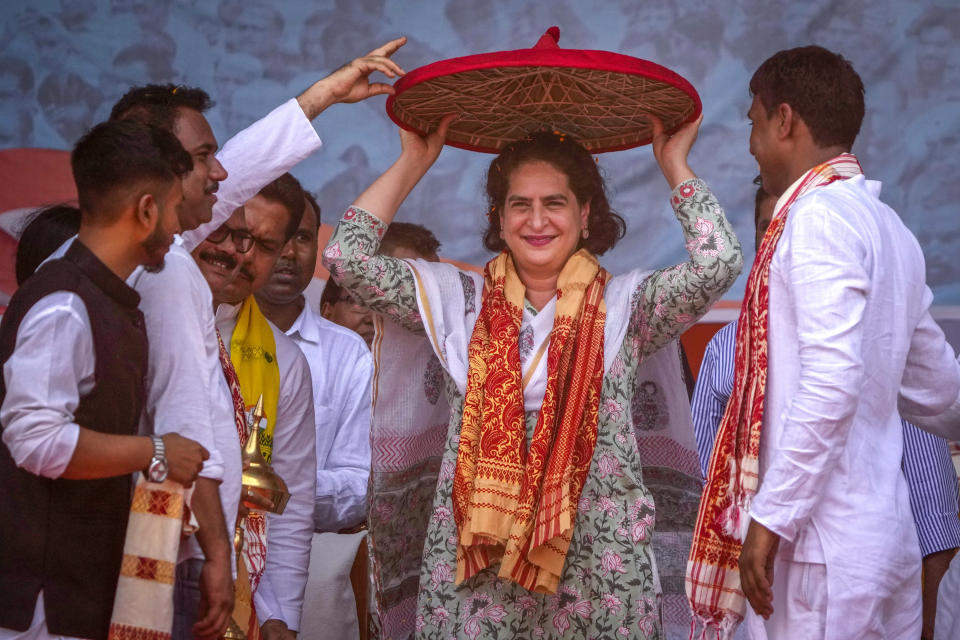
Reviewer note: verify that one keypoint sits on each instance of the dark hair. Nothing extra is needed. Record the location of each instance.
(157, 104)
(312, 199)
(415, 237)
(568, 156)
(286, 191)
(114, 155)
(42, 234)
(820, 86)
(332, 293)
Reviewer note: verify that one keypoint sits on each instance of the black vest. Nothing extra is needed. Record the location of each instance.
(66, 536)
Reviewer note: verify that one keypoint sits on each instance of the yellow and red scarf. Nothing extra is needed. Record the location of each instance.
(511, 504)
(713, 578)
(251, 370)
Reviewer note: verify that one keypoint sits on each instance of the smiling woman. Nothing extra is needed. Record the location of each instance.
(539, 435)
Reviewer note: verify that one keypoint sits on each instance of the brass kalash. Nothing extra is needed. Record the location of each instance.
(261, 487)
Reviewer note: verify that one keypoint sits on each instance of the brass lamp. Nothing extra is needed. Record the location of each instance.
(259, 478)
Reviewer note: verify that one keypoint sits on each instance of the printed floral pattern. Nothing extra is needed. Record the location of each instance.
(609, 585)
(433, 380)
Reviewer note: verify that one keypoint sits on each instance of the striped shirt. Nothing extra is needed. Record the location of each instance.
(931, 478)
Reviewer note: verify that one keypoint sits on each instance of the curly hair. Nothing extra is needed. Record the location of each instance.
(820, 86)
(569, 157)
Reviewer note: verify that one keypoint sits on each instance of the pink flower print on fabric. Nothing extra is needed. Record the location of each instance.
(639, 529)
(447, 470)
(609, 465)
(567, 603)
(617, 367)
(526, 605)
(481, 607)
(441, 515)
(708, 242)
(583, 505)
(612, 408)
(611, 562)
(439, 616)
(611, 603)
(607, 506)
(441, 573)
(647, 614)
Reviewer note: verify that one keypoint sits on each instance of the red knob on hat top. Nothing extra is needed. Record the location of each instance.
(549, 39)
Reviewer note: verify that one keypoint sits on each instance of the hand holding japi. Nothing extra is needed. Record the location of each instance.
(671, 150)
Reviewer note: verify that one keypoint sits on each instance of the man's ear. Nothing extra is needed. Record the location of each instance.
(786, 120)
(147, 212)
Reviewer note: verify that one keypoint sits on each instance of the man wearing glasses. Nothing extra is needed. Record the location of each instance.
(236, 260)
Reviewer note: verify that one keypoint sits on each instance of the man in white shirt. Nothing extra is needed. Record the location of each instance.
(236, 260)
(831, 550)
(187, 392)
(74, 355)
(341, 368)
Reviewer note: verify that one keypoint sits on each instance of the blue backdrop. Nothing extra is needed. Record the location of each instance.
(64, 62)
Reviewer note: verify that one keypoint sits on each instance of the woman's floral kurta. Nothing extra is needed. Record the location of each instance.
(609, 586)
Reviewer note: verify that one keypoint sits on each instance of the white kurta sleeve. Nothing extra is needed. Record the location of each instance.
(280, 594)
(930, 389)
(51, 367)
(254, 158)
(827, 287)
(341, 497)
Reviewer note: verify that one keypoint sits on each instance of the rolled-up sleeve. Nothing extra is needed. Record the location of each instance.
(51, 366)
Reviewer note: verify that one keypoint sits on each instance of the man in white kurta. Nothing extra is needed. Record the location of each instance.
(848, 329)
(341, 368)
(234, 270)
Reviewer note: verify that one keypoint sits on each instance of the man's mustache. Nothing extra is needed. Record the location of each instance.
(228, 260)
(284, 264)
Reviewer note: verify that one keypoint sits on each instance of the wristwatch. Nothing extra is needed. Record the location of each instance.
(157, 471)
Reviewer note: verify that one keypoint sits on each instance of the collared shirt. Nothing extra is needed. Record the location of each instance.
(341, 367)
(931, 480)
(294, 458)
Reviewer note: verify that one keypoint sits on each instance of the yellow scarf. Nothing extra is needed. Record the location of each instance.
(511, 504)
(253, 352)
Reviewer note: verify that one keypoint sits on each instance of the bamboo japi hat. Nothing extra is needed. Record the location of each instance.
(598, 97)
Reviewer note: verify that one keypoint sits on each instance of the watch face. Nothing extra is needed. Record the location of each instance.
(157, 472)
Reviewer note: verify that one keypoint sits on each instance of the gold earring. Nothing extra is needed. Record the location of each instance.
(586, 233)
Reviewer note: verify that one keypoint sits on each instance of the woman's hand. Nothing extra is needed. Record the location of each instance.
(423, 151)
(671, 150)
(387, 192)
